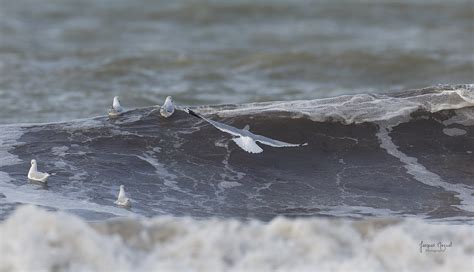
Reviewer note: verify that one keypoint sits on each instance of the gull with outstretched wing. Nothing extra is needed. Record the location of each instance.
(243, 137)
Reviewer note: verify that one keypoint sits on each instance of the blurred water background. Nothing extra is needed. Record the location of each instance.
(61, 60)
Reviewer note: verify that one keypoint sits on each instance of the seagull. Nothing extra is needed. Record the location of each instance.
(116, 109)
(123, 200)
(244, 138)
(34, 175)
(168, 107)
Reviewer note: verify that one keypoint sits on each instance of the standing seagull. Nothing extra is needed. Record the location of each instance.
(123, 200)
(116, 108)
(244, 138)
(34, 175)
(168, 107)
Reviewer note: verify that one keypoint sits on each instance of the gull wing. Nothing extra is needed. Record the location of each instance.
(168, 107)
(38, 176)
(271, 142)
(115, 111)
(121, 195)
(244, 134)
(248, 144)
(220, 126)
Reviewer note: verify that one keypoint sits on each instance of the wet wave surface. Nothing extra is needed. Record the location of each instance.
(409, 155)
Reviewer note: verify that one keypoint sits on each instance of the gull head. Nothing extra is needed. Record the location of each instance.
(33, 162)
(169, 100)
(121, 192)
(116, 103)
(121, 196)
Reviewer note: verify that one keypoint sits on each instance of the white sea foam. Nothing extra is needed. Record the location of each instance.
(169, 178)
(359, 108)
(453, 99)
(28, 194)
(8, 139)
(228, 184)
(420, 173)
(454, 131)
(464, 117)
(59, 151)
(33, 239)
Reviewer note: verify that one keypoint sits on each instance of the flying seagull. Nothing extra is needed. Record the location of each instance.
(243, 137)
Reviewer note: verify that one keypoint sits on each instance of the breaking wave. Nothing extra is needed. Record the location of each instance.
(407, 154)
(37, 240)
